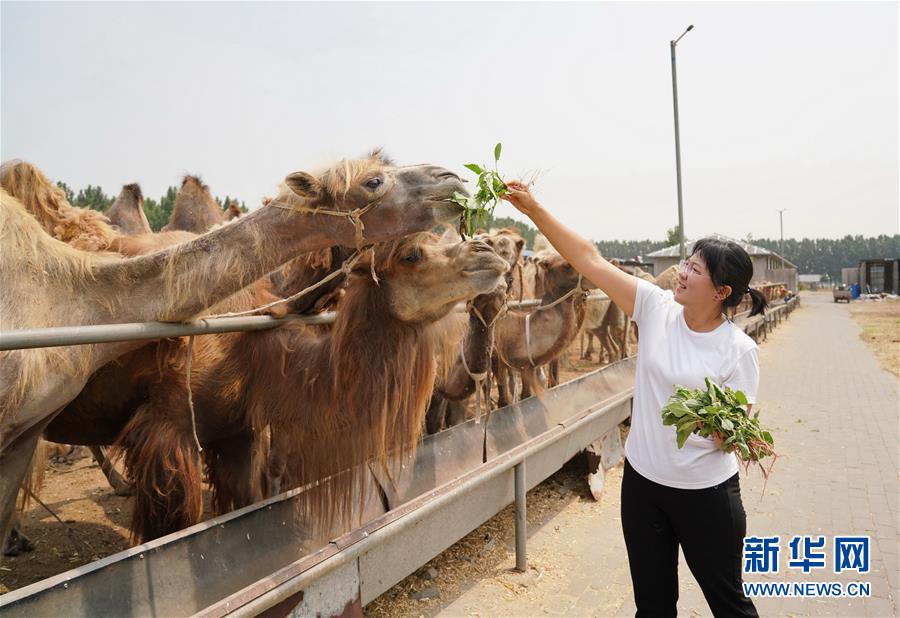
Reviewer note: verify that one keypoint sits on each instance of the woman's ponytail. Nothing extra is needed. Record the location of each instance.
(759, 302)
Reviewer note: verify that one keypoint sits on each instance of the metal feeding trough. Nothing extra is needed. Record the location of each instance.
(267, 558)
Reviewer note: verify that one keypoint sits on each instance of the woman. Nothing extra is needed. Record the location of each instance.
(690, 496)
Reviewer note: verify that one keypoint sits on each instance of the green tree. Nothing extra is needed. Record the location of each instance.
(70, 195)
(672, 237)
(94, 198)
(158, 213)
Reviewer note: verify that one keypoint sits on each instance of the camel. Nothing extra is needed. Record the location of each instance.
(330, 400)
(466, 359)
(233, 211)
(610, 325)
(46, 282)
(474, 343)
(195, 209)
(127, 212)
(552, 327)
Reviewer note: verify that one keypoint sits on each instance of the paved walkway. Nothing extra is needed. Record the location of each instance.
(834, 414)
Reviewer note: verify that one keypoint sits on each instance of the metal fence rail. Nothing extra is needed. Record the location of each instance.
(137, 331)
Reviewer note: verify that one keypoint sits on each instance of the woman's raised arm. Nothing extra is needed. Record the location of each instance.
(579, 252)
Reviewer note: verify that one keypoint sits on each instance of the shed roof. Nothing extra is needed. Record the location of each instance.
(673, 251)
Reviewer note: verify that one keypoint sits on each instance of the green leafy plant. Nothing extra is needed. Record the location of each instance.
(716, 412)
(489, 188)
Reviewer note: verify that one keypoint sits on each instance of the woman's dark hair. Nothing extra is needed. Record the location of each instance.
(728, 264)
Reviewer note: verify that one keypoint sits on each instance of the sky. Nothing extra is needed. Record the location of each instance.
(782, 105)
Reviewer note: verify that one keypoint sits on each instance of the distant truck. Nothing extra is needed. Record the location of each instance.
(841, 292)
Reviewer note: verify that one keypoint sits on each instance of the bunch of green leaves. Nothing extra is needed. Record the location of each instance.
(722, 411)
(489, 188)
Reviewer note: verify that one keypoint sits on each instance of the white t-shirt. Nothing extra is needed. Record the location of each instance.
(669, 353)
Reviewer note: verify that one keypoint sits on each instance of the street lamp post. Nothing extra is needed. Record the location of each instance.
(781, 243)
(672, 45)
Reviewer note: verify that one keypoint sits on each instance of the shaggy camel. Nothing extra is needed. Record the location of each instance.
(195, 210)
(127, 212)
(331, 400)
(550, 328)
(49, 283)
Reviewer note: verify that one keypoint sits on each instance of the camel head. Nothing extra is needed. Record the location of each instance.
(195, 209)
(233, 212)
(401, 199)
(127, 212)
(507, 243)
(557, 276)
(423, 280)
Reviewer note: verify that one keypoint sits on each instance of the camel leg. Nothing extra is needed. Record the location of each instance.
(553, 373)
(437, 412)
(529, 378)
(501, 374)
(233, 471)
(15, 461)
(120, 486)
(16, 542)
(589, 350)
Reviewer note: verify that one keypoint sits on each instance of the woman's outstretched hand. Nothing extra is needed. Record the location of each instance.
(520, 197)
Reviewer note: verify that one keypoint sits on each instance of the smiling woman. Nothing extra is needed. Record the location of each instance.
(687, 340)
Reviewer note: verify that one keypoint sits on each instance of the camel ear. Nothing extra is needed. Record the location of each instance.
(519, 244)
(303, 184)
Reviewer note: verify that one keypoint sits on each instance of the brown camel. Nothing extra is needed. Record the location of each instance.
(508, 244)
(330, 400)
(233, 211)
(468, 342)
(127, 212)
(49, 283)
(551, 328)
(464, 364)
(195, 209)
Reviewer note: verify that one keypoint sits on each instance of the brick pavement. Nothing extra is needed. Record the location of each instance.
(834, 414)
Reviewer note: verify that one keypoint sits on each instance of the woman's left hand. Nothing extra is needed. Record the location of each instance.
(720, 442)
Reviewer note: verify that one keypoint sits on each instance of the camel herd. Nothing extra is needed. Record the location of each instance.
(259, 413)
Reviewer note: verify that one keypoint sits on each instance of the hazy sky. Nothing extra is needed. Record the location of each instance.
(783, 105)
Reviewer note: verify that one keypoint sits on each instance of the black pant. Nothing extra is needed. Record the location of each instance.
(709, 524)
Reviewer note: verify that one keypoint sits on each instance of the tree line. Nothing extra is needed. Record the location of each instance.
(157, 211)
(811, 255)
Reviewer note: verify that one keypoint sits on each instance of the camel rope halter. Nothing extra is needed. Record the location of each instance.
(567, 295)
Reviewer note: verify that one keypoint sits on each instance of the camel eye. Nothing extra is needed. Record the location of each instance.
(413, 257)
(374, 183)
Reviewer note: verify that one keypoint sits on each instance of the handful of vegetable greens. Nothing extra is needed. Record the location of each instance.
(719, 412)
(488, 190)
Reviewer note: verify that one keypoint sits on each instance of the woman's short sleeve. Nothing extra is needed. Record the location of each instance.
(745, 376)
(648, 300)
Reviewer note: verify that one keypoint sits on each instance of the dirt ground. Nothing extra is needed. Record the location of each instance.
(96, 521)
(880, 322)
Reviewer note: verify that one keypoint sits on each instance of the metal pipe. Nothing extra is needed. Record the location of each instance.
(29, 338)
(521, 525)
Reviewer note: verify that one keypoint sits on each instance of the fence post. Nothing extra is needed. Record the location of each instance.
(521, 557)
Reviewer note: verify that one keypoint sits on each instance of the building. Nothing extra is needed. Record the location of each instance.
(879, 275)
(767, 265)
(814, 281)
